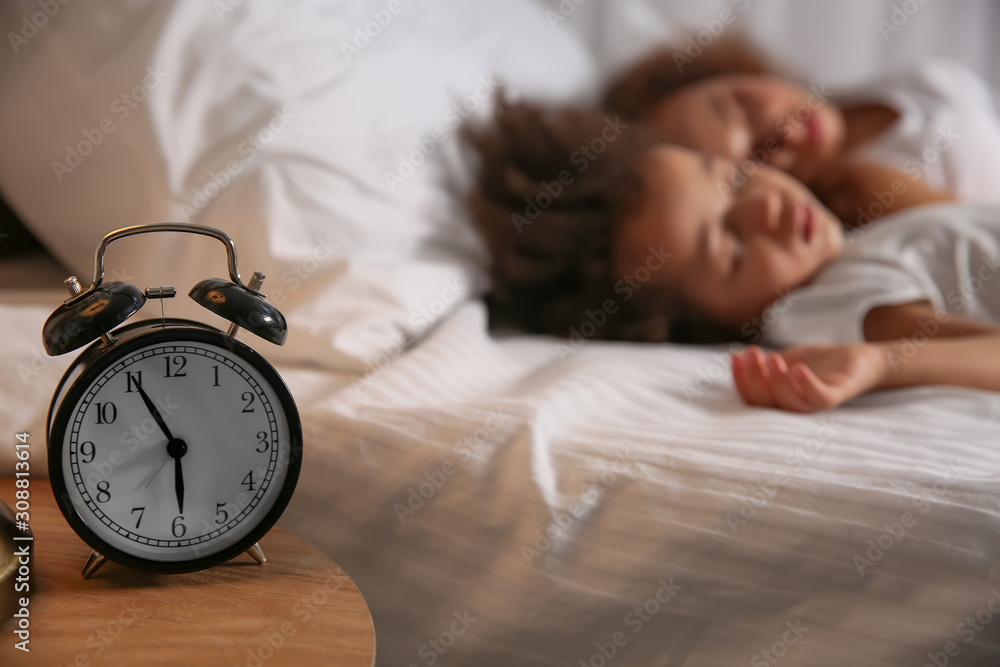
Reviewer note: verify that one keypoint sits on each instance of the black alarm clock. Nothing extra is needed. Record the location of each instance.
(172, 446)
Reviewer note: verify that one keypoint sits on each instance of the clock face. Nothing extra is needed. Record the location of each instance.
(177, 448)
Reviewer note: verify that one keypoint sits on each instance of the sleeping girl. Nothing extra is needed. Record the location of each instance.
(906, 302)
(928, 134)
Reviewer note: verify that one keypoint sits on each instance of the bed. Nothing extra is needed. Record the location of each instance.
(567, 504)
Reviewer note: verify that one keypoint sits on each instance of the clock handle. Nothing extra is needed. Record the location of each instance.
(90, 314)
(190, 228)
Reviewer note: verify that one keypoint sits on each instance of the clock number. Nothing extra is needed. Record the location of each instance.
(107, 412)
(248, 481)
(220, 509)
(180, 362)
(215, 370)
(87, 451)
(134, 380)
(249, 397)
(141, 511)
(177, 527)
(262, 441)
(103, 492)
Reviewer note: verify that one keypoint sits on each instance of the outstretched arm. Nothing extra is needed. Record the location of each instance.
(899, 353)
(968, 361)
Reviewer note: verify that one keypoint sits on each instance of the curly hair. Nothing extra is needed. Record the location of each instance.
(551, 187)
(637, 90)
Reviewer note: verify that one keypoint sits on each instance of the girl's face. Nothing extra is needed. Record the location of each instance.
(732, 250)
(755, 117)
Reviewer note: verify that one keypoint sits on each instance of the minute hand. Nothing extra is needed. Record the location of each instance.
(156, 413)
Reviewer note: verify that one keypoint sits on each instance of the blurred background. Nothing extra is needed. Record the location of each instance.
(324, 136)
(835, 42)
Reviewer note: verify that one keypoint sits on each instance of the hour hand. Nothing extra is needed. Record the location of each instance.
(179, 485)
(177, 449)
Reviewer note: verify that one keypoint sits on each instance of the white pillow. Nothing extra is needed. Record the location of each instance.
(320, 136)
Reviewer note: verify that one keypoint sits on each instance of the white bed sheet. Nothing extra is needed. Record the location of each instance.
(756, 517)
(745, 522)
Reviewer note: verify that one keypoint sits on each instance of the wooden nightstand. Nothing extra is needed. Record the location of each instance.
(298, 609)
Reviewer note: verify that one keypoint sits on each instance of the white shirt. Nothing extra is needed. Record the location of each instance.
(948, 131)
(948, 254)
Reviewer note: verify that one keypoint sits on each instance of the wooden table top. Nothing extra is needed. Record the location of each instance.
(299, 608)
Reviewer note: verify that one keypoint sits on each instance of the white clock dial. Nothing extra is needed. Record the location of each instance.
(176, 451)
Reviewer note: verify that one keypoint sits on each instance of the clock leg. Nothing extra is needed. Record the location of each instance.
(257, 554)
(94, 564)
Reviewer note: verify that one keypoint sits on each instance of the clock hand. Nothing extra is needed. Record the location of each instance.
(156, 413)
(179, 485)
(149, 480)
(177, 449)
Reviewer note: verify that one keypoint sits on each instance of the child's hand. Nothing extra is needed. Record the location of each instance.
(807, 378)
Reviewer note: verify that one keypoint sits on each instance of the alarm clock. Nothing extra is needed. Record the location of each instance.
(172, 446)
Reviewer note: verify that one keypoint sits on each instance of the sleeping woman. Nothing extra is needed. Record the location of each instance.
(643, 231)
(924, 135)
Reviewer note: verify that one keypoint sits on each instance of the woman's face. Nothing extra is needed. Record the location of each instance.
(732, 251)
(755, 117)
